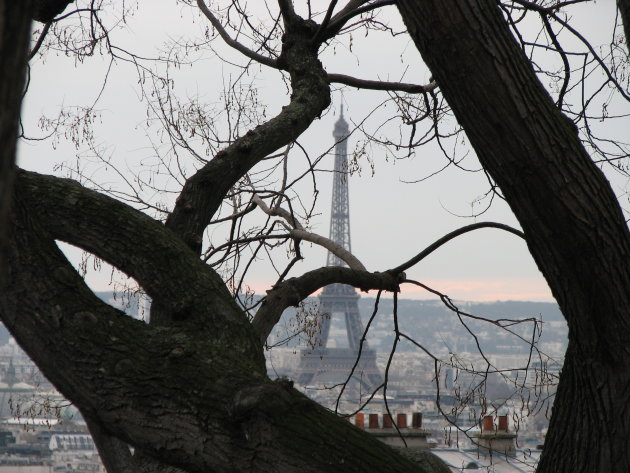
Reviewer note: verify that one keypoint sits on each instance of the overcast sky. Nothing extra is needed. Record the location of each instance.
(390, 220)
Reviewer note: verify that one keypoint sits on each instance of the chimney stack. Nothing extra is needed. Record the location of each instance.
(488, 424)
(499, 440)
(503, 423)
(387, 421)
(359, 420)
(373, 421)
(401, 421)
(416, 420)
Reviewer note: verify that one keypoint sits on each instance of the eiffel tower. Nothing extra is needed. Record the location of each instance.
(328, 366)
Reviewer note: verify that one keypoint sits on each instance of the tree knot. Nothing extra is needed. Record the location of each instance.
(269, 399)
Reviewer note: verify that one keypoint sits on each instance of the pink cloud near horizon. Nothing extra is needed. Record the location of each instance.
(477, 290)
(483, 290)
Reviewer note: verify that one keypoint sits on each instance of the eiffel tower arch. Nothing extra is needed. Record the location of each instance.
(325, 366)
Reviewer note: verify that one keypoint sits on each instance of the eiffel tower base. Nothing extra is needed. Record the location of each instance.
(330, 367)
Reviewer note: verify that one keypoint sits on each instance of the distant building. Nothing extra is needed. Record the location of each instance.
(12, 391)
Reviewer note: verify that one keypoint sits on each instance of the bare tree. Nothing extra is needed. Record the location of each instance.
(189, 390)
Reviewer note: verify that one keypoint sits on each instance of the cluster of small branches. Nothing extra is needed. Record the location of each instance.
(27, 408)
(588, 78)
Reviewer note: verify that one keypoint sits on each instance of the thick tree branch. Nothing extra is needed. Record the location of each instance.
(160, 262)
(537, 162)
(134, 354)
(277, 211)
(324, 24)
(204, 191)
(54, 316)
(572, 220)
(45, 11)
(352, 261)
(115, 454)
(111, 362)
(382, 85)
(291, 292)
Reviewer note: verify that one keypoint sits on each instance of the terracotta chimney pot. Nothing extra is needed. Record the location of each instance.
(387, 421)
(488, 424)
(359, 420)
(416, 420)
(401, 421)
(373, 421)
(503, 423)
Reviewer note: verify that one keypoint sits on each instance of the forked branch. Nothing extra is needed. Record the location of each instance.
(267, 61)
(291, 292)
(298, 232)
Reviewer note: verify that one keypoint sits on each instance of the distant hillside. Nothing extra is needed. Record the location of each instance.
(428, 322)
(433, 325)
(548, 311)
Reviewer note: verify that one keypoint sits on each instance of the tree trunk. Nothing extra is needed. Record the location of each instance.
(572, 221)
(15, 27)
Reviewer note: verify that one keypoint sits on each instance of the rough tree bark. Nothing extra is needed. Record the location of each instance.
(572, 220)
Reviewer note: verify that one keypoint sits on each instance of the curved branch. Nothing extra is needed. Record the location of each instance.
(267, 61)
(300, 233)
(352, 261)
(291, 292)
(160, 262)
(353, 8)
(448, 237)
(112, 363)
(277, 211)
(40, 40)
(381, 85)
(203, 192)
